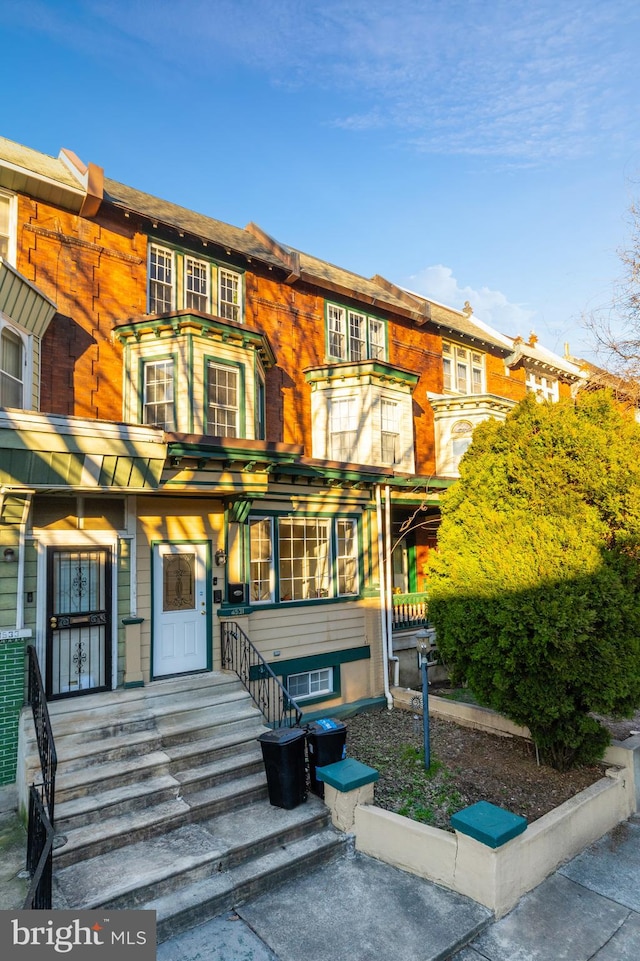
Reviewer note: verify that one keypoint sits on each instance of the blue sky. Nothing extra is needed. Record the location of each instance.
(481, 150)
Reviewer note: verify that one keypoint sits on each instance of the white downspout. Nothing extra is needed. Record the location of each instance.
(389, 607)
(22, 539)
(383, 607)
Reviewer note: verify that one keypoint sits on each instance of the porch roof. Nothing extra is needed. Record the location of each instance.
(52, 452)
(23, 303)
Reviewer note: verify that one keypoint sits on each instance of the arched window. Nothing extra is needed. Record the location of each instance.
(460, 439)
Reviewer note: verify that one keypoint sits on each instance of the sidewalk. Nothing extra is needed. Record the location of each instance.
(358, 909)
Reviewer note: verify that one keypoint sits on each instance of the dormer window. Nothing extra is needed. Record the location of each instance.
(545, 388)
(196, 284)
(463, 369)
(179, 281)
(354, 336)
(161, 278)
(229, 295)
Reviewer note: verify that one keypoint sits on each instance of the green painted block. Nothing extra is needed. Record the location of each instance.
(347, 775)
(489, 824)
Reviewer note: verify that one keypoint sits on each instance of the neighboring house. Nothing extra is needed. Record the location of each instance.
(199, 424)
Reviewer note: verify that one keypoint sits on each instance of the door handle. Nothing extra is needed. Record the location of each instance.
(53, 622)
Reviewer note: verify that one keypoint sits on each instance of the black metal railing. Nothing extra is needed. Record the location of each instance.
(41, 798)
(44, 734)
(39, 854)
(268, 692)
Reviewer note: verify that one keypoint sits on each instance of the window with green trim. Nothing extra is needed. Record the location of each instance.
(157, 394)
(302, 558)
(179, 281)
(354, 336)
(223, 400)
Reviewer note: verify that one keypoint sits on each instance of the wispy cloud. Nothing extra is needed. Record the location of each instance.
(492, 306)
(526, 82)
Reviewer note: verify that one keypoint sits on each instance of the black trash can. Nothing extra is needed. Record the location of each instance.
(326, 744)
(284, 763)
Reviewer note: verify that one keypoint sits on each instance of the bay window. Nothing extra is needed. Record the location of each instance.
(302, 558)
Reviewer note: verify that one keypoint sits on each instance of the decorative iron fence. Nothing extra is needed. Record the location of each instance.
(409, 611)
(39, 854)
(271, 696)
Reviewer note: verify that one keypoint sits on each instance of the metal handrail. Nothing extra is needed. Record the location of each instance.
(271, 696)
(39, 854)
(44, 734)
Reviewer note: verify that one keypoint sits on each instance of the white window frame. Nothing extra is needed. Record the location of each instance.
(304, 558)
(11, 234)
(337, 321)
(225, 421)
(168, 400)
(230, 308)
(343, 429)
(261, 561)
(9, 382)
(545, 388)
(354, 336)
(377, 345)
(161, 277)
(461, 437)
(358, 347)
(317, 558)
(463, 369)
(196, 284)
(319, 682)
(347, 574)
(390, 431)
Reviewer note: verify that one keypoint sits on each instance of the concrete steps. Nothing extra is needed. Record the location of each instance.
(200, 869)
(161, 802)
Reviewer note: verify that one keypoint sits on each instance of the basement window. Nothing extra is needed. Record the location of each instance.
(310, 683)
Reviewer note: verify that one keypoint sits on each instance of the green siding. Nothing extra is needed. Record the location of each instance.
(12, 655)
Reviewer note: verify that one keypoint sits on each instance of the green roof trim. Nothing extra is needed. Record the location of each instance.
(378, 369)
(183, 321)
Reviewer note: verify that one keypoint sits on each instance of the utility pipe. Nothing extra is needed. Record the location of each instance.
(389, 606)
(383, 611)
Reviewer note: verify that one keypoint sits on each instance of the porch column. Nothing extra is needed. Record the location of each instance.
(132, 661)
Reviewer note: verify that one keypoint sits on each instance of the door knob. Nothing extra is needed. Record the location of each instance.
(53, 622)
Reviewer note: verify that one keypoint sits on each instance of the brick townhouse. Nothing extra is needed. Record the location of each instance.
(201, 427)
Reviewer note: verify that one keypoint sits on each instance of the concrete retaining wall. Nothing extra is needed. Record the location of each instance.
(499, 877)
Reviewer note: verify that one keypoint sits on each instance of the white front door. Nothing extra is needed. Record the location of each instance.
(179, 609)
